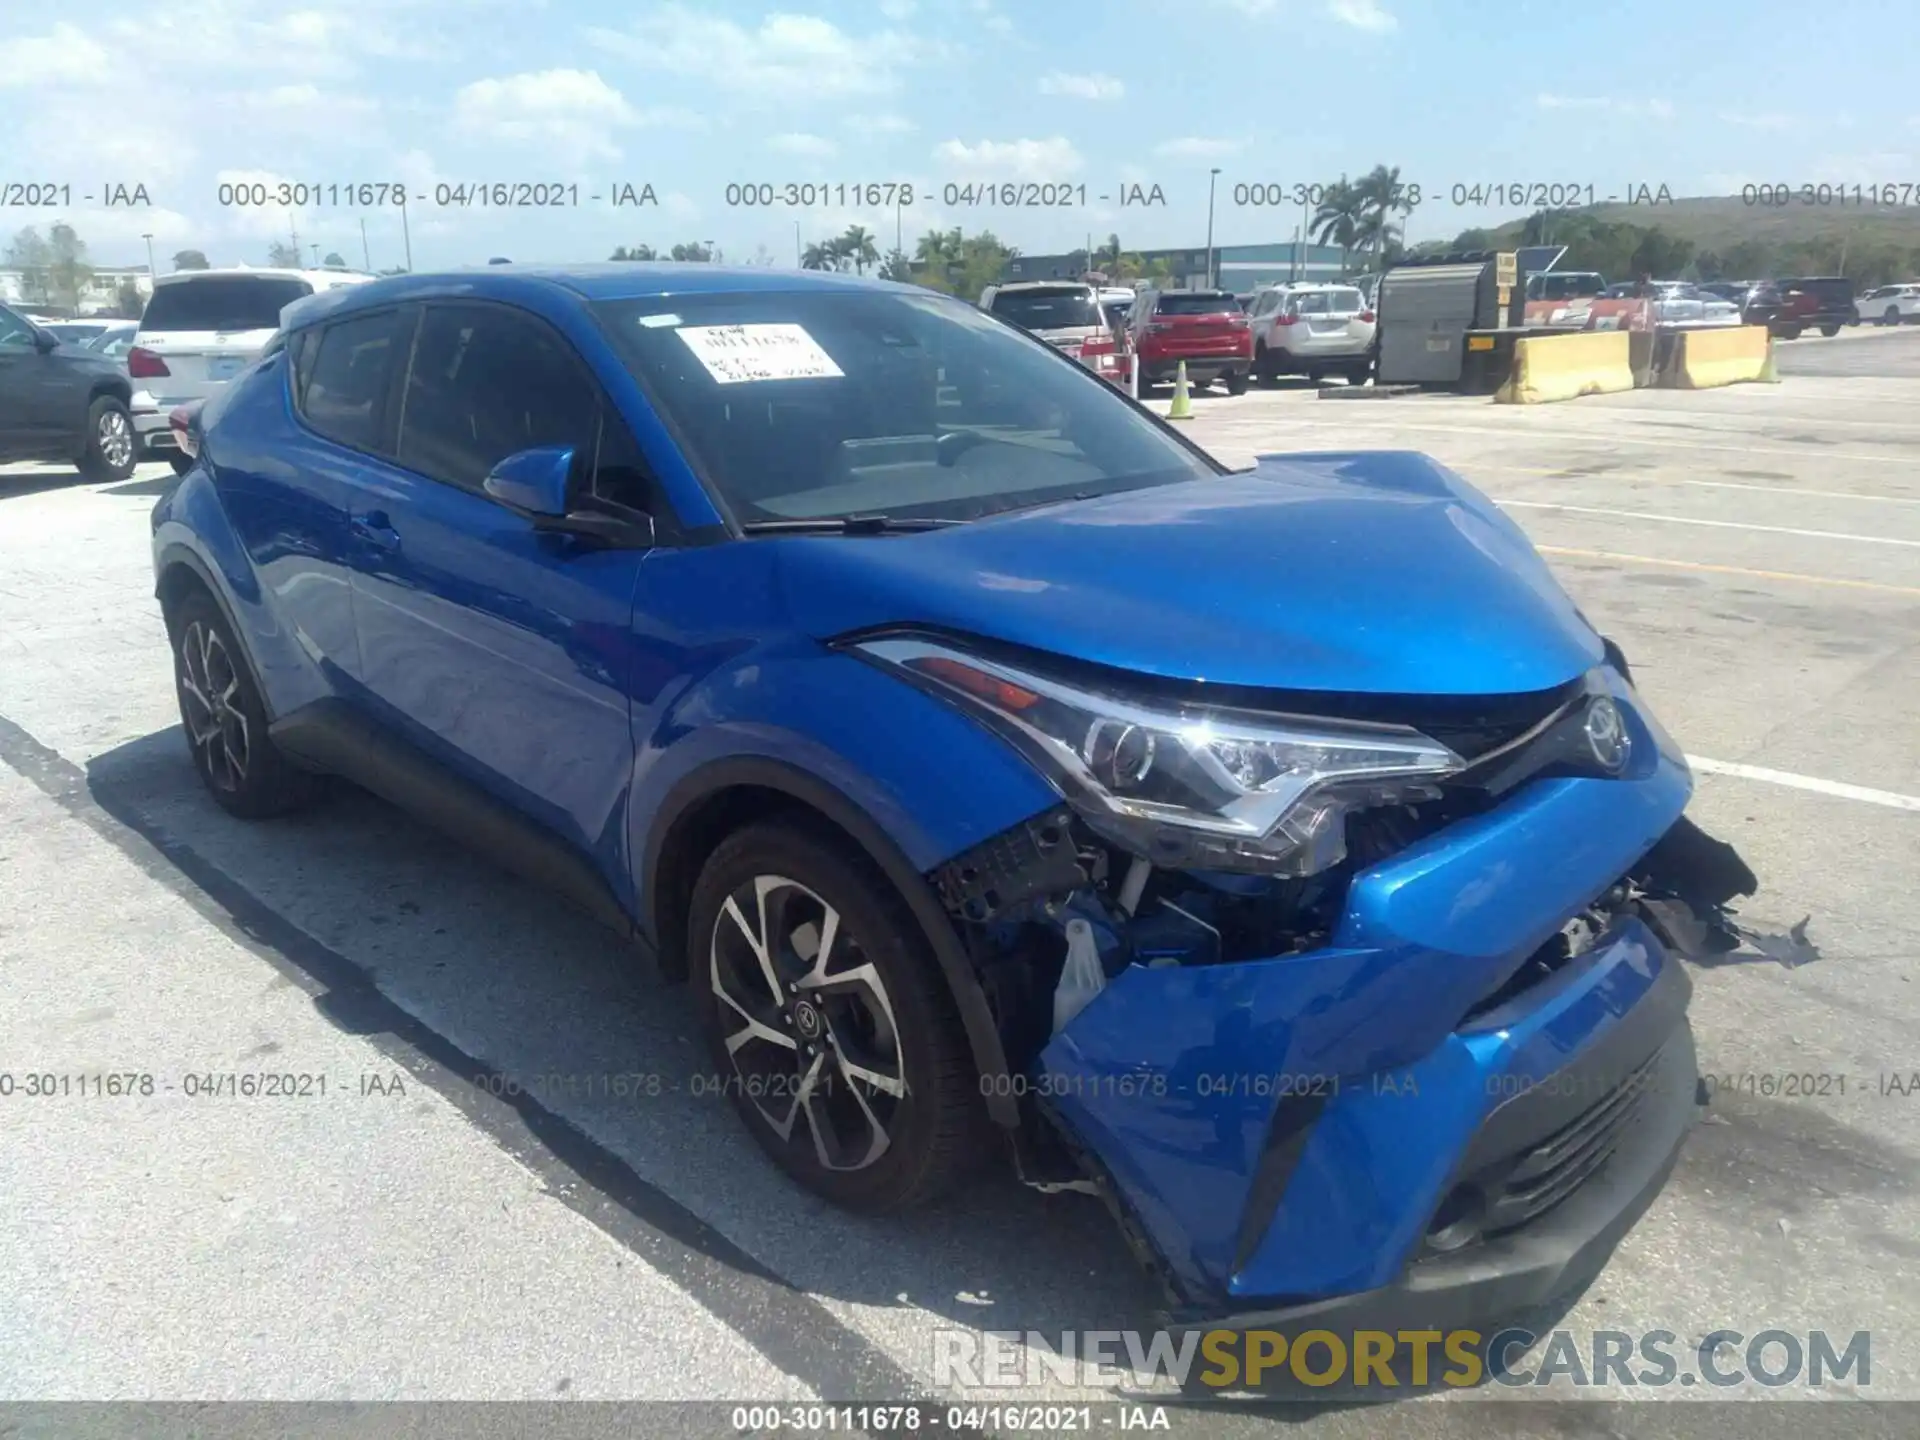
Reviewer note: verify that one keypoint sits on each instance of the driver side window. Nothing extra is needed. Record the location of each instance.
(15, 333)
(486, 382)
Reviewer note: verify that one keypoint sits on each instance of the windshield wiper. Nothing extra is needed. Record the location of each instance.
(848, 525)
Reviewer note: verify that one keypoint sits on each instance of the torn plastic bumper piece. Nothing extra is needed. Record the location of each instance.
(1285, 1131)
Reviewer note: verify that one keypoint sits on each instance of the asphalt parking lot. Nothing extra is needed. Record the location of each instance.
(408, 1234)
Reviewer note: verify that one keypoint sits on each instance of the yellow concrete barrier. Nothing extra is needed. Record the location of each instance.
(1727, 356)
(1563, 367)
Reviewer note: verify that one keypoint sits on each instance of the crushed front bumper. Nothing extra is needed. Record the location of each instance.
(1350, 1131)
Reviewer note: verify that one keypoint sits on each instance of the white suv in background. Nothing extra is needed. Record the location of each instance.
(202, 328)
(1312, 330)
(1889, 305)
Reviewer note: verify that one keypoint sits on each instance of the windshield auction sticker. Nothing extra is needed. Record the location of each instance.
(734, 354)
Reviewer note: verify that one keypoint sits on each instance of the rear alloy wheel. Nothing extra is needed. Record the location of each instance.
(830, 1024)
(224, 718)
(111, 451)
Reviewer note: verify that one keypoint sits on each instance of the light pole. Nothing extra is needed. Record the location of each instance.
(152, 274)
(316, 255)
(366, 253)
(1212, 177)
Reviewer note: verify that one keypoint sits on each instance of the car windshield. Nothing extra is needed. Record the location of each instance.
(1174, 303)
(222, 303)
(808, 404)
(1063, 309)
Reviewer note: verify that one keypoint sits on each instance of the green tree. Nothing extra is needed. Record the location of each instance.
(128, 302)
(820, 257)
(939, 248)
(1659, 254)
(334, 261)
(30, 254)
(283, 254)
(190, 260)
(1748, 260)
(1383, 202)
(1336, 220)
(68, 273)
(1475, 239)
(897, 266)
(858, 249)
(634, 252)
(695, 252)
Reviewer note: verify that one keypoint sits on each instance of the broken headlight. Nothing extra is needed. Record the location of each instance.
(1186, 786)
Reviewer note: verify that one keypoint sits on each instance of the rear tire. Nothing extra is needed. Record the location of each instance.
(1236, 382)
(1892, 317)
(1790, 332)
(1829, 330)
(225, 719)
(1315, 375)
(112, 448)
(830, 1024)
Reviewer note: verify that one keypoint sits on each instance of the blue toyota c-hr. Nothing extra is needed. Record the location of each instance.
(1273, 852)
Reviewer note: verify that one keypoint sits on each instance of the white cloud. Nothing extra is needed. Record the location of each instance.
(809, 146)
(1643, 109)
(880, 124)
(1082, 87)
(1051, 159)
(1196, 147)
(1362, 15)
(1758, 122)
(571, 110)
(991, 18)
(63, 57)
(787, 57)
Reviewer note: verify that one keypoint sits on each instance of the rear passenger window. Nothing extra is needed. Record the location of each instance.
(350, 371)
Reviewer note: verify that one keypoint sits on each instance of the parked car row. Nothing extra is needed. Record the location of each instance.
(1788, 307)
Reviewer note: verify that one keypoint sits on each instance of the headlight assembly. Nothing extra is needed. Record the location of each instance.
(1185, 785)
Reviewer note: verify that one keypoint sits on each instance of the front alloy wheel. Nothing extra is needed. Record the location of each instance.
(808, 1025)
(829, 1020)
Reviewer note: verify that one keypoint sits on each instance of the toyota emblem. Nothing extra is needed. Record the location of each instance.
(1607, 734)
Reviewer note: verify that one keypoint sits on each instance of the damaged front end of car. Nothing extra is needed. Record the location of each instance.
(1343, 1003)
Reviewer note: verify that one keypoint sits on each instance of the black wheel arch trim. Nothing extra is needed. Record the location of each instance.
(760, 772)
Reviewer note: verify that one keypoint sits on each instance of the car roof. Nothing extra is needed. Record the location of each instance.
(1043, 285)
(609, 280)
(317, 278)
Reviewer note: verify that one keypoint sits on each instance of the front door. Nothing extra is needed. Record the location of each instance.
(502, 651)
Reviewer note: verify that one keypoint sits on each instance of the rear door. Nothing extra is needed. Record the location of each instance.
(1330, 322)
(203, 330)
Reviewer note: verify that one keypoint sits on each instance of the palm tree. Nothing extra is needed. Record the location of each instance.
(635, 252)
(858, 247)
(819, 257)
(1382, 196)
(1336, 221)
(938, 248)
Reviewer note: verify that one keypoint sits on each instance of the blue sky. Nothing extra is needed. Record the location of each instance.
(185, 95)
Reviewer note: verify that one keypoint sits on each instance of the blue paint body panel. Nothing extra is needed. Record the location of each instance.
(584, 687)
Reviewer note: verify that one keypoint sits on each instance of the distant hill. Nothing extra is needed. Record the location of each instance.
(1719, 222)
(1724, 237)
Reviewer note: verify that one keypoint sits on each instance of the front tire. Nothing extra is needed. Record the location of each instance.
(226, 720)
(1829, 330)
(1236, 382)
(1892, 317)
(112, 450)
(830, 1025)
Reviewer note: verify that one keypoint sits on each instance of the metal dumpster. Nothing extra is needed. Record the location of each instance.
(1427, 308)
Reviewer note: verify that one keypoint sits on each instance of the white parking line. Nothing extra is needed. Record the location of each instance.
(1630, 477)
(1716, 524)
(1889, 798)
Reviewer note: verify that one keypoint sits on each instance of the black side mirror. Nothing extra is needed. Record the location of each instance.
(45, 343)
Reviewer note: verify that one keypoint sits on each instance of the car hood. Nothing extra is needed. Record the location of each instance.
(1379, 572)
